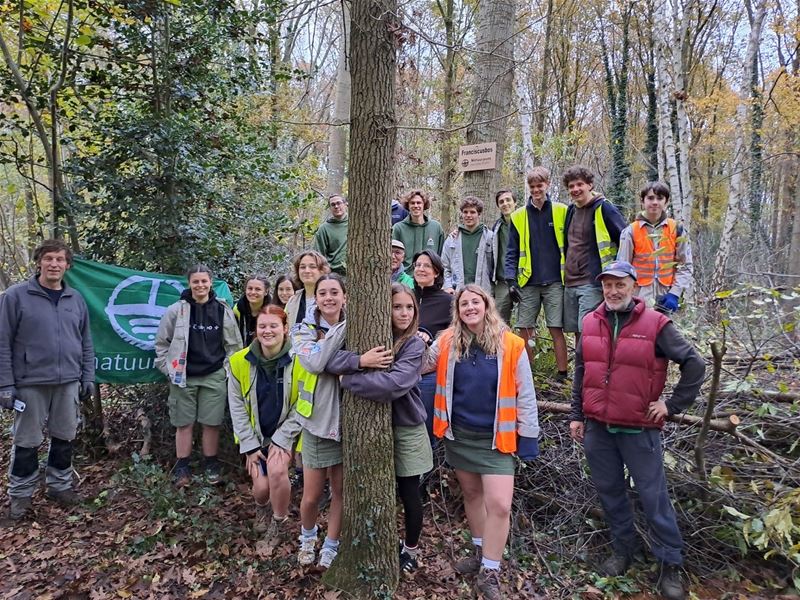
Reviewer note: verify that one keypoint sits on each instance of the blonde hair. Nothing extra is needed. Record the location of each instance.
(490, 339)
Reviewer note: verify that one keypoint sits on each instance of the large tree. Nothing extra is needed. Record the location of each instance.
(367, 564)
(492, 95)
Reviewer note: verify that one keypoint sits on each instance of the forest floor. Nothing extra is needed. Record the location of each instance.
(135, 536)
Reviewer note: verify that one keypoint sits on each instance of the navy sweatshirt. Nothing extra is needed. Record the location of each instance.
(475, 391)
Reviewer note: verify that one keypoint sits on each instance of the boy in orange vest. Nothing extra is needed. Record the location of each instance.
(658, 248)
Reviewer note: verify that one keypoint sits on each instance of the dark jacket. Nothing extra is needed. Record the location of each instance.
(398, 212)
(614, 223)
(397, 384)
(435, 306)
(633, 372)
(43, 343)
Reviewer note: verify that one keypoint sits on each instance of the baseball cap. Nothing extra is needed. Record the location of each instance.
(398, 244)
(618, 268)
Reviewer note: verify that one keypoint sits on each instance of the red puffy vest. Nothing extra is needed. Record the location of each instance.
(622, 378)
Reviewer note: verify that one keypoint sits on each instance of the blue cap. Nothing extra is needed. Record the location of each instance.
(618, 268)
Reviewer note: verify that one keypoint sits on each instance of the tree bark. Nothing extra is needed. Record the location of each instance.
(739, 164)
(665, 84)
(492, 94)
(337, 139)
(684, 194)
(367, 565)
(448, 143)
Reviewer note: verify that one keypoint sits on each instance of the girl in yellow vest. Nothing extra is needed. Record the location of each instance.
(264, 418)
(313, 343)
(485, 409)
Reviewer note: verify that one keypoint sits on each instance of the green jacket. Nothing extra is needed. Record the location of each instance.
(331, 241)
(418, 237)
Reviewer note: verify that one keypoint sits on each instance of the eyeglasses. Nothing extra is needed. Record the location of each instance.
(336, 204)
(426, 266)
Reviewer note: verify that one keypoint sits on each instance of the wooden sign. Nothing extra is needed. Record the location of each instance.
(477, 157)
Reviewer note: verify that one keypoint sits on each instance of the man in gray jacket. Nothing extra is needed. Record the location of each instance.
(467, 256)
(46, 365)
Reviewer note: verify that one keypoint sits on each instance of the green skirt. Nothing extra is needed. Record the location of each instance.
(471, 451)
(412, 451)
(320, 453)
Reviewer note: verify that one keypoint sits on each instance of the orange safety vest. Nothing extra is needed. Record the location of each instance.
(649, 262)
(505, 434)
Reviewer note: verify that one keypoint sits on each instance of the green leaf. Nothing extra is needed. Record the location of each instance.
(724, 294)
(83, 40)
(734, 512)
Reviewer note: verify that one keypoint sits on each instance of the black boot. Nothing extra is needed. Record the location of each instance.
(615, 565)
(669, 582)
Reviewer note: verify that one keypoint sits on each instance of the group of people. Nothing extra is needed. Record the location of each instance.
(455, 371)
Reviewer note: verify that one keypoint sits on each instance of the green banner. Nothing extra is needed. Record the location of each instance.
(125, 307)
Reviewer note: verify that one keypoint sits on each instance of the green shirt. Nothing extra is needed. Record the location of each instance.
(469, 251)
(502, 244)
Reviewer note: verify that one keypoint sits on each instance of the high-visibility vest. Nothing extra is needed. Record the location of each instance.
(653, 261)
(505, 434)
(303, 384)
(520, 220)
(605, 247)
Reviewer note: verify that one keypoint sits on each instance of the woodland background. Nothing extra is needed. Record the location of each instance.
(156, 133)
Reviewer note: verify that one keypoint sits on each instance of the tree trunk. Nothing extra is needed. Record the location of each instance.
(337, 140)
(448, 143)
(684, 194)
(492, 94)
(524, 112)
(367, 565)
(617, 92)
(665, 85)
(739, 164)
(540, 110)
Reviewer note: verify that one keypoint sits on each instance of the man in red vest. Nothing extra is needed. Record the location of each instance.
(617, 412)
(658, 248)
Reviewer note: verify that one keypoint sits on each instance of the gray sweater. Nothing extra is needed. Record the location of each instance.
(398, 384)
(43, 343)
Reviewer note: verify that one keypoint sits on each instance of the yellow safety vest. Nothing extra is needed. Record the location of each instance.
(520, 220)
(605, 247)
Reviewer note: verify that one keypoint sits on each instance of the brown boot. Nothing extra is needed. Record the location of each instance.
(64, 498)
(20, 507)
(470, 565)
(487, 584)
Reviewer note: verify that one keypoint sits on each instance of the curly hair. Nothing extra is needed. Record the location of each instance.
(426, 200)
(490, 339)
(322, 265)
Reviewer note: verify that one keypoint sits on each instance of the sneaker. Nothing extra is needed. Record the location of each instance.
(307, 553)
(182, 476)
(20, 507)
(670, 584)
(408, 563)
(615, 565)
(263, 517)
(212, 472)
(64, 498)
(326, 556)
(471, 564)
(487, 584)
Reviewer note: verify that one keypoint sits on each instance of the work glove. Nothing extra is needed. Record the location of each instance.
(87, 390)
(669, 302)
(7, 395)
(514, 291)
(527, 448)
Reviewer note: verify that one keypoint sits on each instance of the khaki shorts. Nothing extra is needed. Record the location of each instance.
(502, 300)
(320, 453)
(202, 400)
(579, 301)
(534, 297)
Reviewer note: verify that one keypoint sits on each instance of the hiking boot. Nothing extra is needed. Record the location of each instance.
(471, 564)
(307, 553)
(615, 565)
(182, 476)
(213, 473)
(20, 507)
(64, 498)
(326, 556)
(408, 563)
(263, 517)
(670, 584)
(487, 584)
(275, 530)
